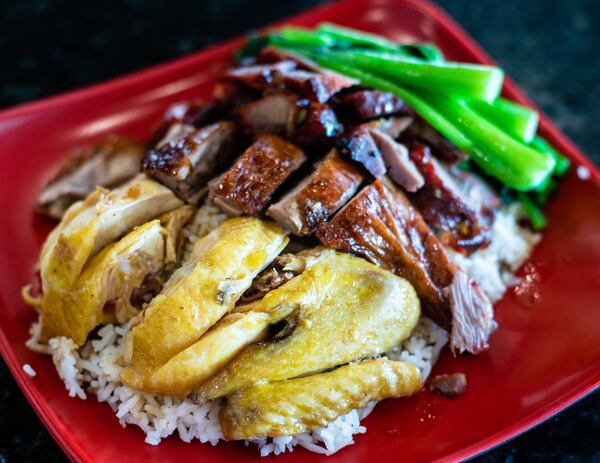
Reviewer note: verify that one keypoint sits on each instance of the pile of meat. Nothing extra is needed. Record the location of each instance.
(352, 167)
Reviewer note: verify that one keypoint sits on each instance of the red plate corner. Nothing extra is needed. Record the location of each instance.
(545, 355)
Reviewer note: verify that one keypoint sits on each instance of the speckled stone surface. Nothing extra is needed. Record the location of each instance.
(548, 47)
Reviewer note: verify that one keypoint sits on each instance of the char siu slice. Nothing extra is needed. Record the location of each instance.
(259, 76)
(400, 168)
(247, 187)
(381, 225)
(309, 124)
(188, 157)
(194, 112)
(421, 132)
(319, 87)
(283, 76)
(443, 207)
(358, 145)
(365, 105)
(318, 197)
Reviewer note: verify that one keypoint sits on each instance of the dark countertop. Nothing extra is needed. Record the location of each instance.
(548, 47)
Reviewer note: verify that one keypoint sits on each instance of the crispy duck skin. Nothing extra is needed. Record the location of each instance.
(381, 225)
(110, 163)
(365, 105)
(421, 132)
(302, 404)
(187, 157)
(318, 197)
(358, 144)
(247, 187)
(455, 222)
(401, 168)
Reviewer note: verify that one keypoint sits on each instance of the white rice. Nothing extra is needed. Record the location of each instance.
(28, 369)
(96, 367)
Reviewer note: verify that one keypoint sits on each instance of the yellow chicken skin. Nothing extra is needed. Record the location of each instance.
(346, 309)
(86, 228)
(300, 405)
(112, 275)
(222, 266)
(246, 324)
(211, 352)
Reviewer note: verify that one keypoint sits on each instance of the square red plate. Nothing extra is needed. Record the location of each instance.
(545, 355)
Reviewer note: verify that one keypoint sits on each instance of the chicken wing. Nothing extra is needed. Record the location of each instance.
(299, 405)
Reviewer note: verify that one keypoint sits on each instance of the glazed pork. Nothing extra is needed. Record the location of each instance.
(364, 105)
(420, 131)
(188, 157)
(317, 197)
(381, 225)
(309, 124)
(358, 144)
(441, 203)
(284, 76)
(247, 187)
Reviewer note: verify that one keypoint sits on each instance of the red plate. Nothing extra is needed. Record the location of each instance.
(545, 356)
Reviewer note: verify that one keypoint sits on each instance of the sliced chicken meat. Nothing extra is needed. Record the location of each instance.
(381, 224)
(344, 309)
(221, 267)
(110, 163)
(401, 168)
(247, 187)
(188, 157)
(446, 211)
(86, 228)
(318, 197)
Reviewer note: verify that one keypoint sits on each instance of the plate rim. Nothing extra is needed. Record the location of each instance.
(445, 21)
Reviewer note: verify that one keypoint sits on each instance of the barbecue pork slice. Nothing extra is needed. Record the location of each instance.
(445, 207)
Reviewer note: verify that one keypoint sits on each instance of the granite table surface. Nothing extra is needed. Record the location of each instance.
(549, 47)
